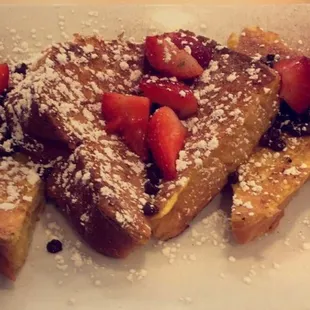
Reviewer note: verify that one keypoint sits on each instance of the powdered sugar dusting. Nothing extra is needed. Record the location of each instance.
(16, 179)
(225, 92)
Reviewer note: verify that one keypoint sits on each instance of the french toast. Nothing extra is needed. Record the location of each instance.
(22, 198)
(255, 42)
(52, 109)
(100, 186)
(100, 190)
(269, 180)
(238, 100)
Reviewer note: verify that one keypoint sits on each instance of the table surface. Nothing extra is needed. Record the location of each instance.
(156, 1)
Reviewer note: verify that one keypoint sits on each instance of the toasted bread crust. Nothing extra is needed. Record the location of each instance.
(19, 212)
(235, 111)
(106, 216)
(100, 188)
(48, 105)
(277, 176)
(255, 41)
(59, 104)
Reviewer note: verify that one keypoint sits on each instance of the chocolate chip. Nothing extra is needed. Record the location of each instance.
(150, 189)
(150, 209)
(54, 246)
(153, 174)
(21, 69)
(233, 178)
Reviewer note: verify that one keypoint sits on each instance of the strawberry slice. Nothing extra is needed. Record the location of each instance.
(167, 58)
(4, 77)
(175, 95)
(128, 116)
(191, 44)
(295, 88)
(166, 136)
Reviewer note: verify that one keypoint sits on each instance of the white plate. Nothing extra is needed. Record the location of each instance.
(200, 276)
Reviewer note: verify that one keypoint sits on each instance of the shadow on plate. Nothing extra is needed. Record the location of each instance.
(5, 284)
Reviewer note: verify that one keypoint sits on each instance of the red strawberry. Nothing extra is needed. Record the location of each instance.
(128, 116)
(295, 89)
(192, 45)
(4, 77)
(167, 58)
(166, 136)
(175, 95)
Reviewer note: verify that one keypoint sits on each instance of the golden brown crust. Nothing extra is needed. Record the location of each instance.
(100, 187)
(255, 41)
(270, 179)
(238, 100)
(56, 102)
(106, 213)
(21, 202)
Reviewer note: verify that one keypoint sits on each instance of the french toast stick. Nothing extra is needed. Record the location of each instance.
(99, 190)
(100, 186)
(269, 179)
(21, 200)
(238, 99)
(268, 182)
